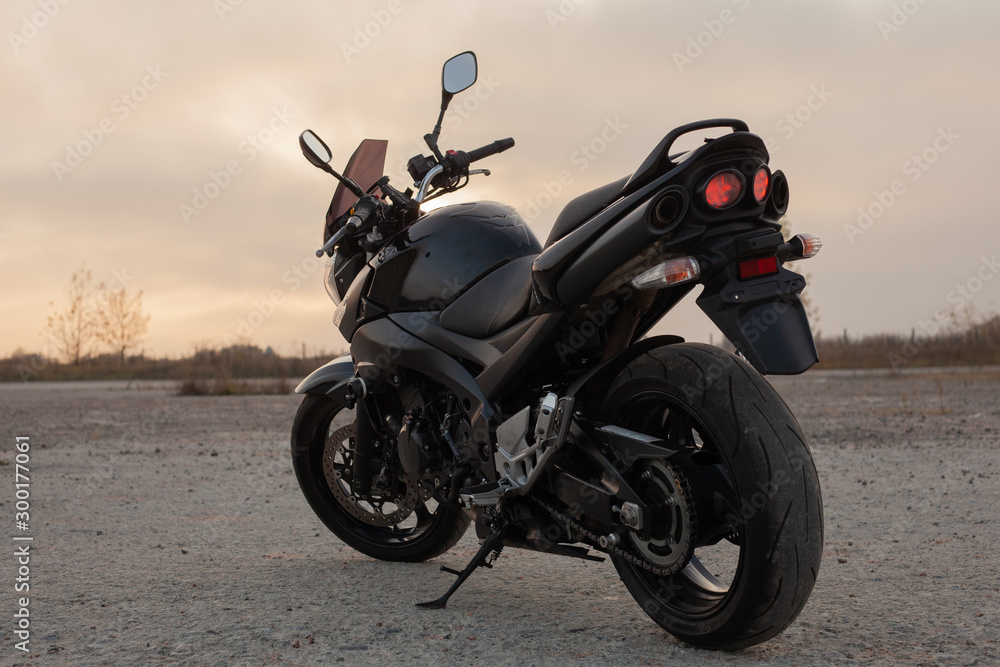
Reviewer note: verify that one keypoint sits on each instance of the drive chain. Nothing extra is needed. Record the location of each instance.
(611, 549)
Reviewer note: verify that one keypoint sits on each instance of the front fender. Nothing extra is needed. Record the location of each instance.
(327, 376)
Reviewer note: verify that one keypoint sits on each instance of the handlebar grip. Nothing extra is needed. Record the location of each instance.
(362, 210)
(498, 146)
(352, 224)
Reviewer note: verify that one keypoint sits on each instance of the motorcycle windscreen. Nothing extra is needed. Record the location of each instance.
(365, 167)
(765, 320)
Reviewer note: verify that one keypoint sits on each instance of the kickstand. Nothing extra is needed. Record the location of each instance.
(490, 544)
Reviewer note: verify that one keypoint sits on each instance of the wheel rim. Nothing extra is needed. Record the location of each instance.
(383, 520)
(704, 585)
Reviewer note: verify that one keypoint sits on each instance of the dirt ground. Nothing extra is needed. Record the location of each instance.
(170, 530)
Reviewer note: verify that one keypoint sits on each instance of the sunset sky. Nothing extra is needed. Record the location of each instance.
(119, 117)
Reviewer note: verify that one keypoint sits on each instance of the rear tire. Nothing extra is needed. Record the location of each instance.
(731, 411)
(429, 530)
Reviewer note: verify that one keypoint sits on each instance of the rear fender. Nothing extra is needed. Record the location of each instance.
(764, 319)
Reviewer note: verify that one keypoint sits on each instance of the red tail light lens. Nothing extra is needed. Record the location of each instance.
(761, 183)
(754, 268)
(724, 190)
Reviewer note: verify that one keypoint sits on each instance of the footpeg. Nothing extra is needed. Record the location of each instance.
(485, 495)
(521, 463)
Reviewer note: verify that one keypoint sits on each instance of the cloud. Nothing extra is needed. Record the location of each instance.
(350, 72)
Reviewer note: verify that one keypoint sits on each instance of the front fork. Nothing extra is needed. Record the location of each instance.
(365, 440)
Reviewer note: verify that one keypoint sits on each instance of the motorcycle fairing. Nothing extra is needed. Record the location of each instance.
(366, 166)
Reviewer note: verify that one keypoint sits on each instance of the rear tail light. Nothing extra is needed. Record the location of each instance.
(755, 268)
(809, 243)
(673, 272)
(761, 182)
(724, 189)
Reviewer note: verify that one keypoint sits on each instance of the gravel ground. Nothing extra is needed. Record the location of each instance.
(170, 530)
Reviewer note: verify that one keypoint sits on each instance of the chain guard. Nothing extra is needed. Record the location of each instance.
(371, 510)
(644, 555)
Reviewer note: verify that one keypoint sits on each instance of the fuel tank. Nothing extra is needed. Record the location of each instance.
(443, 253)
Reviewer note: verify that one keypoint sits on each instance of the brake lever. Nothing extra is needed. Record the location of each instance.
(484, 172)
(332, 242)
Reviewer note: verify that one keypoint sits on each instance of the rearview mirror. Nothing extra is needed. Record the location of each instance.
(459, 73)
(315, 150)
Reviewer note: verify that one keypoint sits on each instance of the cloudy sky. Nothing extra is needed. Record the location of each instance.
(157, 142)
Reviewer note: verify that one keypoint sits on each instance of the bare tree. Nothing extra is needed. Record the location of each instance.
(72, 330)
(119, 321)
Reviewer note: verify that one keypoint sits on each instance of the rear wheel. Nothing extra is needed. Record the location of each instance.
(744, 494)
(402, 523)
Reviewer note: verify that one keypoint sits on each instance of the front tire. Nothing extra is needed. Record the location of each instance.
(751, 585)
(322, 440)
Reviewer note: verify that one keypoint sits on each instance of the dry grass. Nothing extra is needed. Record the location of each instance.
(229, 387)
(212, 368)
(976, 345)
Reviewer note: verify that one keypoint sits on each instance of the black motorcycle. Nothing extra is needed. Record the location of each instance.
(495, 379)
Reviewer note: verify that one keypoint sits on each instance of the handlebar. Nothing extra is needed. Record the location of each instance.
(456, 162)
(497, 146)
(362, 210)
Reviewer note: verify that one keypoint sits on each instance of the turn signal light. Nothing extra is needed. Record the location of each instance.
(724, 190)
(754, 268)
(761, 182)
(810, 244)
(673, 272)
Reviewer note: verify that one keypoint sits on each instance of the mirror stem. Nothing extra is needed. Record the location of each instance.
(432, 138)
(349, 182)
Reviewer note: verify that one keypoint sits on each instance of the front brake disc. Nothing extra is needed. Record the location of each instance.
(382, 507)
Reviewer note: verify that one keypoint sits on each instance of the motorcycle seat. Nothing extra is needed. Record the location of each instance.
(584, 207)
(492, 304)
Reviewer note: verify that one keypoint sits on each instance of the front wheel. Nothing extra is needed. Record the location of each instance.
(748, 556)
(400, 523)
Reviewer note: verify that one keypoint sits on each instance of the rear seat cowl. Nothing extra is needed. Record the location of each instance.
(584, 207)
